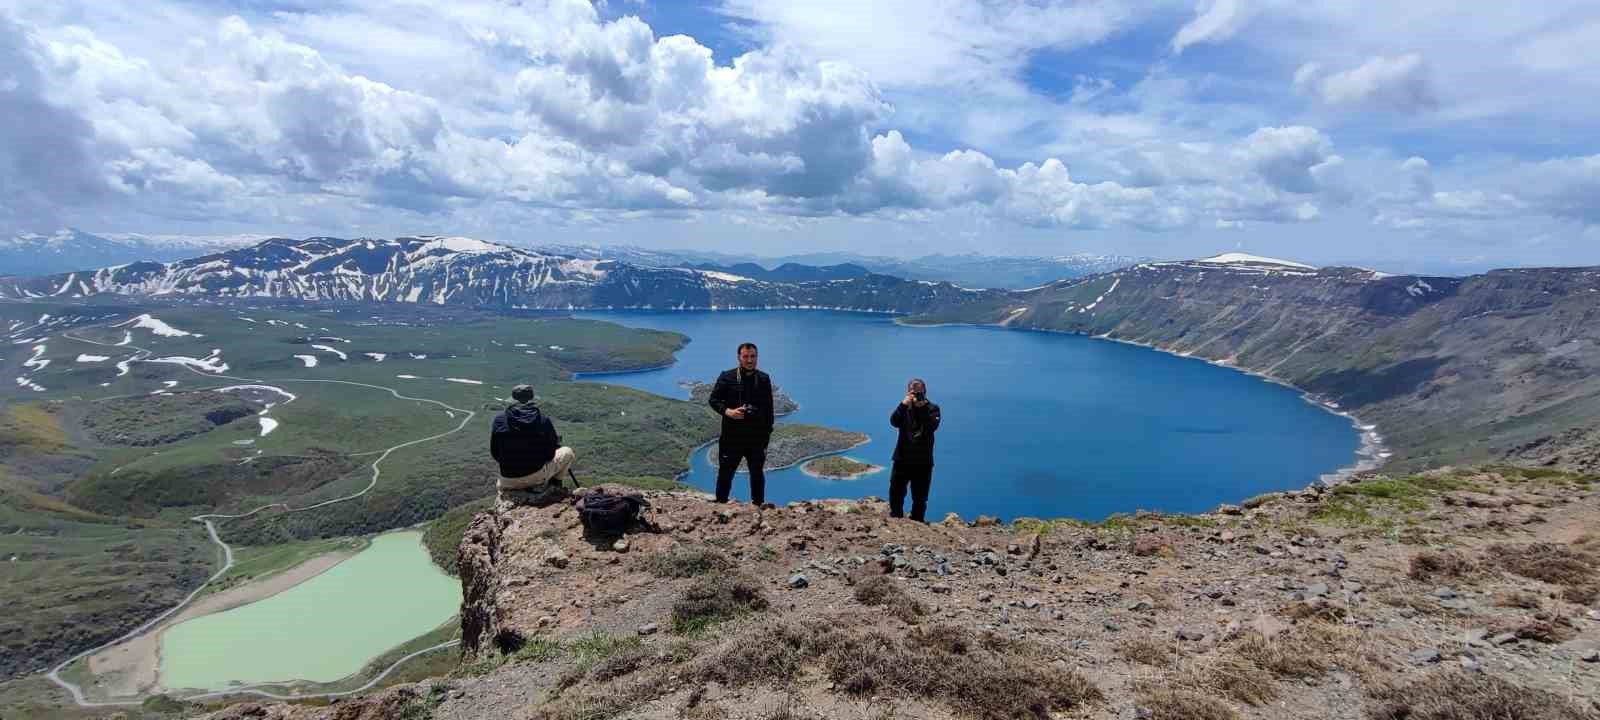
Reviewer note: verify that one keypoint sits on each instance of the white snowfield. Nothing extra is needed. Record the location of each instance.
(377, 356)
(1236, 258)
(267, 426)
(327, 349)
(157, 326)
(29, 384)
(406, 377)
(211, 363)
(725, 277)
(309, 360)
(92, 358)
(415, 356)
(464, 381)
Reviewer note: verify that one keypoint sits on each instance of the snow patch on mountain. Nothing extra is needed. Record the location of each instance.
(157, 326)
(211, 363)
(1236, 258)
(327, 349)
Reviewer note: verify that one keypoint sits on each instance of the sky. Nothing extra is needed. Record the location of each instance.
(1428, 133)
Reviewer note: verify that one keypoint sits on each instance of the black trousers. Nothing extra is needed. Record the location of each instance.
(918, 478)
(754, 456)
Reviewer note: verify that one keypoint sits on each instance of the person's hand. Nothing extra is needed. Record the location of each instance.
(735, 413)
(908, 400)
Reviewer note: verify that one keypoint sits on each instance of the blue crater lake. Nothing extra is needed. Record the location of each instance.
(1035, 424)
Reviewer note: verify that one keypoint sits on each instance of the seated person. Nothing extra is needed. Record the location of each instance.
(525, 444)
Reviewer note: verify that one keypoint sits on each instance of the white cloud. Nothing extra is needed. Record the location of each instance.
(356, 115)
(1400, 84)
(1215, 21)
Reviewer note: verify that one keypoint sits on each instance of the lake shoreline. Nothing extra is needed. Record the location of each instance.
(871, 470)
(1369, 455)
(133, 666)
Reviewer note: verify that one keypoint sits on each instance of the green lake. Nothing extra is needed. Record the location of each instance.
(321, 630)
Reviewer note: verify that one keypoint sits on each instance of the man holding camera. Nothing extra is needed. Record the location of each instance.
(917, 419)
(743, 397)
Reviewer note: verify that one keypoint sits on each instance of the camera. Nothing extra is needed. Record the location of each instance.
(920, 396)
(747, 409)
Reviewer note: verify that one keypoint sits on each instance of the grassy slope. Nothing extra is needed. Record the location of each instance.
(72, 590)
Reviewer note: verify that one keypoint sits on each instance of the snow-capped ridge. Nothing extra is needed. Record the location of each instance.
(1238, 258)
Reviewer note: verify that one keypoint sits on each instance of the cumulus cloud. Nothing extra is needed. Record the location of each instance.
(484, 114)
(46, 154)
(1288, 158)
(1400, 84)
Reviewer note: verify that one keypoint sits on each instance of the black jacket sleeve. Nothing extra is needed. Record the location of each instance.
(894, 415)
(772, 407)
(932, 422)
(549, 430)
(497, 446)
(719, 395)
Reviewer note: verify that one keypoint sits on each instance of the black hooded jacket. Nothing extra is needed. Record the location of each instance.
(523, 440)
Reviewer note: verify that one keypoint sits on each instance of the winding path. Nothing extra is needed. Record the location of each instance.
(227, 551)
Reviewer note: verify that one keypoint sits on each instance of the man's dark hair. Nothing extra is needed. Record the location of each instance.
(742, 346)
(522, 393)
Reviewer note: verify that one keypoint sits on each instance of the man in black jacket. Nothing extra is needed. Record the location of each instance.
(525, 444)
(743, 397)
(917, 419)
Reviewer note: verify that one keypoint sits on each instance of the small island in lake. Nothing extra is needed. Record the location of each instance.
(838, 467)
(795, 444)
(700, 392)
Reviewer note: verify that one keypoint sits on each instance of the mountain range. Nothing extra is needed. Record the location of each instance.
(1492, 366)
(71, 249)
(1497, 366)
(462, 271)
(966, 270)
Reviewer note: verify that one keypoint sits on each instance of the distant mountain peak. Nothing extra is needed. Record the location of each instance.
(1238, 258)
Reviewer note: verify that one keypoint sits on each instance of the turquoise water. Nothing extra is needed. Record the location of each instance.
(1035, 424)
(321, 630)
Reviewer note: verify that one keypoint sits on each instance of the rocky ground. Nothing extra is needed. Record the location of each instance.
(1452, 594)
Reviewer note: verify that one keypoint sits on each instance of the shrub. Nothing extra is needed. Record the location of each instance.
(716, 598)
(1428, 565)
(685, 561)
(1459, 695)
(883, 591)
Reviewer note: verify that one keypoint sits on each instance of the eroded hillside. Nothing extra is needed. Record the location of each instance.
(1451, 594)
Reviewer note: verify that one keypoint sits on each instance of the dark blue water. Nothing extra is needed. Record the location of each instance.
(1035, 424)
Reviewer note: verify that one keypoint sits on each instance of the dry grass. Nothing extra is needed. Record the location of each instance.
(1547, 562)
(616, 699)
(883, 591)
(1455, 695)
(1519, 599)
(1230, 676)
(684, 561)
(974, 676)
(714, 599)
(1584, 594)
(1167, 703)
(1427, 566)
(1150, 651)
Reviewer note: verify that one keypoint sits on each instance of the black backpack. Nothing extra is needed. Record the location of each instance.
(603, 513)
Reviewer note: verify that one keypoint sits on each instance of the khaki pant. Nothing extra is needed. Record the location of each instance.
(552, 470)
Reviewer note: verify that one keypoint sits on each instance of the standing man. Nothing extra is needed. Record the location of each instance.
(917, 420)
(743, 397)
(525, 444)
